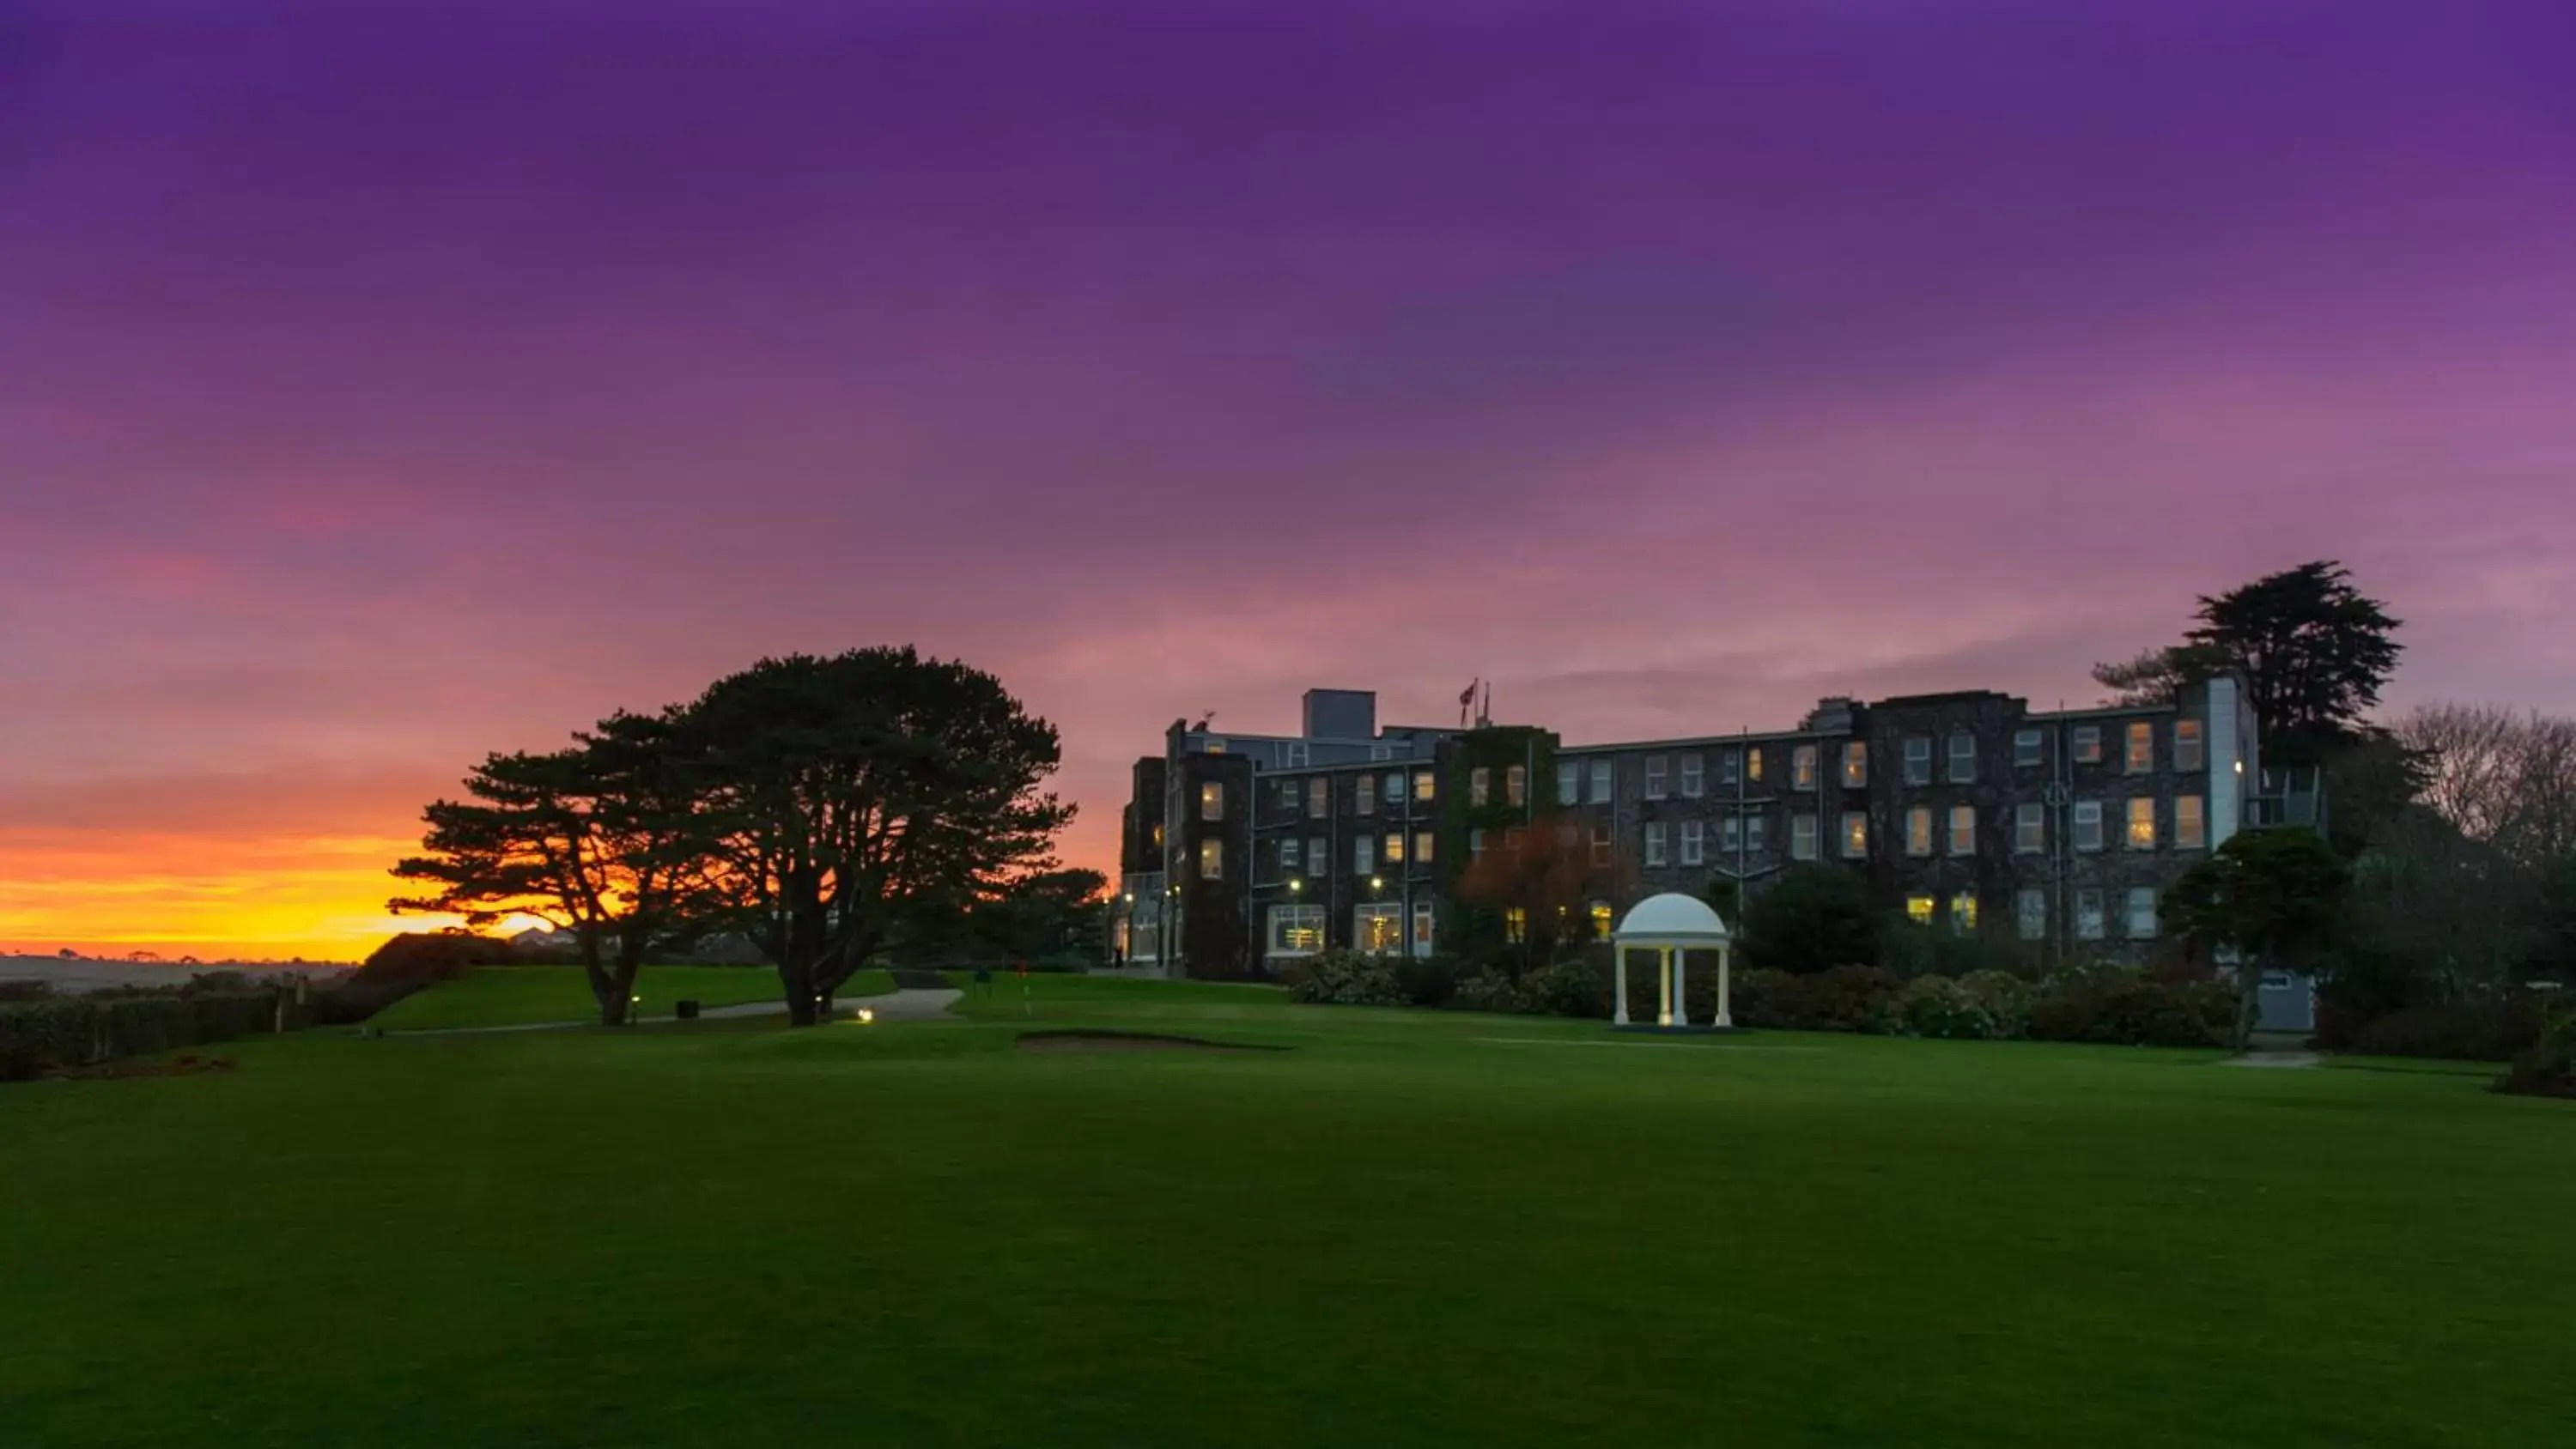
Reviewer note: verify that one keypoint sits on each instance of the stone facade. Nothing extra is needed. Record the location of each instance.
(1970, 811)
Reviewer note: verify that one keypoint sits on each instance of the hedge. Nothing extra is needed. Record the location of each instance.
(67, 1033)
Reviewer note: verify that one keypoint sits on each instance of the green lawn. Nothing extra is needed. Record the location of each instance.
(1409, 1228)
(516, 995)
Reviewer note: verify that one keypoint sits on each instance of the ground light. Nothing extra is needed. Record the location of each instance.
(866, 1016)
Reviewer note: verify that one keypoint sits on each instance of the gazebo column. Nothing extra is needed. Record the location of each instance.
(1619, 983)
(1664, 985)
(1723, 952)
(1681, 998)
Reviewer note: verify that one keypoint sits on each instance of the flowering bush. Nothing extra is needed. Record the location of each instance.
(1347, 978)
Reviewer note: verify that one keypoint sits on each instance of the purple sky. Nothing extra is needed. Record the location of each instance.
(381, 384)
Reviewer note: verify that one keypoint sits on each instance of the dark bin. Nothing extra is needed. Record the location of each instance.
(686, 1011)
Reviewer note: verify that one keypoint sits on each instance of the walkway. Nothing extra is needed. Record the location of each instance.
(911, 1003)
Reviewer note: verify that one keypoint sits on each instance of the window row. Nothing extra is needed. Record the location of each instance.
(2085, 745)
(1366, 793)
(1685, 774)
(1313, 857)
(1480, 782)
(1376, 929)
(2030, 913)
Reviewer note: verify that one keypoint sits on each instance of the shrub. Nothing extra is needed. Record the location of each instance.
(66, 1033)
(1429, 980)
(2483, 1031)
(1940, 1006)
(1845, 998)
(1346, 978)
(1813, 918)
(1572, 987)
(2005, 999)
(1488, 990)
(2124, 1010)
(2546, 1068)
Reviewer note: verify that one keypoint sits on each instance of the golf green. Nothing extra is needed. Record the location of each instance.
(1405, 1228)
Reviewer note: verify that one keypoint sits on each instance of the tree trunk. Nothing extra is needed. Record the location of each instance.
(604, 986)
(796, 978)
(2249, 1002)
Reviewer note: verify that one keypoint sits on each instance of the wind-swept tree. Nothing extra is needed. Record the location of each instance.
(2270, 897)
(599, 840)
(850, 796)
(2313, 651)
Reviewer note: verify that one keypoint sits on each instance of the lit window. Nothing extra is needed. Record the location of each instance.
(1655, 777)
(1855, 834)
(1856, 764)
(2030, 914)
(1288, 851)
(1394, 847)
(1212, 800)
(1918, 909)
(2088, 915)
(1216, 747)
(1918, 761)
(1963, 758)
(1475, 845)
(1601, 920)
(1211, 860)
(1422, 920)
(1963, 830)
(1753, 764)
(1691, 779)
(1654, 842)
(1319, 855)
(1802, 768)
(2142, 913)
(1422, 847)
(1918, 830)
(1394, 787)
(1694, 842)
(1569, 782)
(1424, 787)
(2026, 748)
(2030, 829)
(1515, 925)
(1963, 913)
(2191, 831)
(2142, 823)
(2088, 745)
(2186, 744)
(1319, 798)
(1601, 782)
(2088, 825)
(1477, 781)
(2142, 747)
(1378, 930)
(1802, 837)
(1363, 796)
(1363, 854)
(1515, 785)
(1600, 845)
(1296, 930)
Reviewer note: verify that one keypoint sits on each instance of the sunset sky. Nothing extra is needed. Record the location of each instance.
(383, 384)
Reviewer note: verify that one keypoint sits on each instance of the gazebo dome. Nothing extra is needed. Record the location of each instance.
(1673, 916)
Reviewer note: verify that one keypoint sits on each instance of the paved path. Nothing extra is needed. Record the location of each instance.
(902, 1004)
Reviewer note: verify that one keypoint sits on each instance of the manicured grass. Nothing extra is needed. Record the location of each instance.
(515, 995)
(1408, 1229)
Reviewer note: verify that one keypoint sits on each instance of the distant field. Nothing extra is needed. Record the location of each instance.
(519, 995)
(1408, 1228)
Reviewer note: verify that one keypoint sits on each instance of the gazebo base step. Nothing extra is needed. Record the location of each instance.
(1696, 1028)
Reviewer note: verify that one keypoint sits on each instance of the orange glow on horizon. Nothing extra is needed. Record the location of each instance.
(112, 893)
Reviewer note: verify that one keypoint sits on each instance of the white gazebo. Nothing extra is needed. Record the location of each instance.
(1668, 925)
